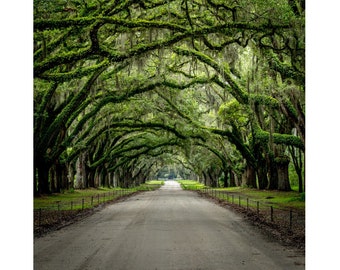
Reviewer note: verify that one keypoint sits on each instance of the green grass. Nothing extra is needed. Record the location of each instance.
(154, 182)
(91, 196)
(282, 199)
(76, 196)
(279, 199)
(190, 184)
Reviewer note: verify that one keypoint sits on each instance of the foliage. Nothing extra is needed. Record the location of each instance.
(123, 88)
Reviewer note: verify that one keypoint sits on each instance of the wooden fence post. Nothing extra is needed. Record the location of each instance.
(82, 203)
(258, 207)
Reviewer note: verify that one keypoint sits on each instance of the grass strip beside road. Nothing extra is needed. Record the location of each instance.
(191, 184)
(281, 199)
(91, 196)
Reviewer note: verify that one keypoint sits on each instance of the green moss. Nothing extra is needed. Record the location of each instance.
(282, 160)
(288, 139)
(77, 73)
(60, 59)
(264, 100)
(290, 108)
(262, 137)
(284, 69)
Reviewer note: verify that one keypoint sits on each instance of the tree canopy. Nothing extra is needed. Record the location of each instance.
(124, 89)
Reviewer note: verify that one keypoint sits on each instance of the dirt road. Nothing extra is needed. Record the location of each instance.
(164, 229)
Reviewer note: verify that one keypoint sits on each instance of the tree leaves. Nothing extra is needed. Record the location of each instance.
(124, 80)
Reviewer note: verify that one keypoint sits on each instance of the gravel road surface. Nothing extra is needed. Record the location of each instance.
(164, 229)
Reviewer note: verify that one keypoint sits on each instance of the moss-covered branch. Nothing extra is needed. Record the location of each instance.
(74, 74)
(144, 152)
(264, 100)
(59, 59)
(217, 153)
(49, 24)
(236, 90)
(87, 21)
(52, 131)
(285, 69)
(236, 140)
(134, 91)
(40, 113)
(263, 137)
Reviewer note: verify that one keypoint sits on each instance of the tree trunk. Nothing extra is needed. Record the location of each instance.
(213, 175)
(250, 177)
(35, 181)
(238, 177)
(283, 176)
(232, 178)
(104, 178)
(115, 180)
(207, 180)
(58, 177)
(43, 180)
(298, 166)
(70, 175)
(92, 179)
(64, 180)
(262, 175)
(53, 179)
(127, 176)
(299, 173)
(225, 178)
(110, 177)
(81, 180)
(273, 174)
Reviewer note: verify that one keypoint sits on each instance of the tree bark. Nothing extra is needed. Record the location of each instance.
(64, 179)
(250, 176)
(283, 176)
(262, 172)
(81, 177)
(232, 178)
(301, 188)
(58, 177)
(43, 179)
(225, 180)
(70, 175)
(273, 174)
(104, 178)
(91, 177)
(296, 155)
(53, 179)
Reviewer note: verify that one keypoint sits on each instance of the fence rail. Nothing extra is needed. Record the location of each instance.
(59, 211)
(290, 219)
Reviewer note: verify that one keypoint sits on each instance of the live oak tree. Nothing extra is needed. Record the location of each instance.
(119, 82)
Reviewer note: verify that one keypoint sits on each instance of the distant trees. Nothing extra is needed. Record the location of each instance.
(217, 85)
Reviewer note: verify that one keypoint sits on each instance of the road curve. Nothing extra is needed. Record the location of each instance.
(164, 229)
